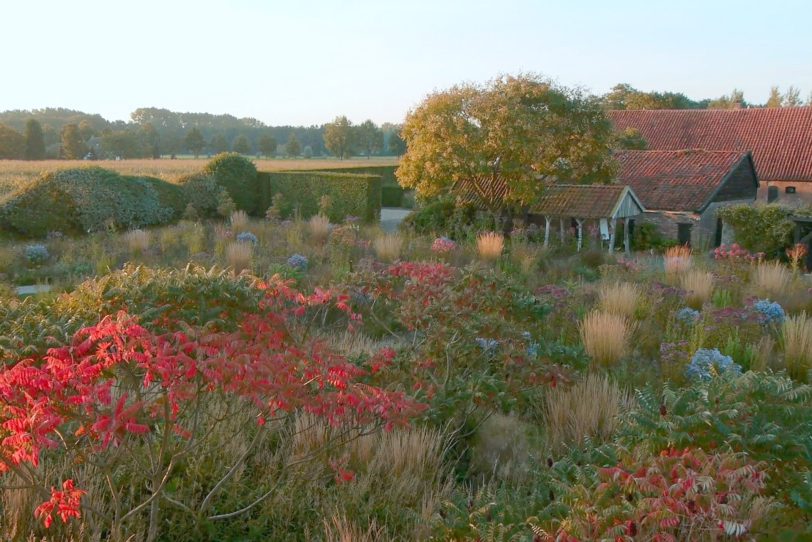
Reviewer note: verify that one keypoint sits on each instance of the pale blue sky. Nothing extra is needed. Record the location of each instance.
(289, 62)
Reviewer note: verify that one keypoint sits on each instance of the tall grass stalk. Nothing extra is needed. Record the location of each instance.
(698, 286)
(771, 279)
(138, 241)
(239, 256)
(319, 228)
(490, 245)
(796, 336)
(619, 298)
(239, 221)
(677, 260)
(605, 337)
(591, 408)
(388, 246)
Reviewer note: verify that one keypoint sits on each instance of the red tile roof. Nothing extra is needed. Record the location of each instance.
(682, 181)
(780, 138)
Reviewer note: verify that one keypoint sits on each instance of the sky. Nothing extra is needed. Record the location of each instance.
(304, 63)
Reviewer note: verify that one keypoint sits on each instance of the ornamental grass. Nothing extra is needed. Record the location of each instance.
(138, 241)
(388, 246)
(796, 336)
(677, 260)
(698, 286)
(620, 298)
(771, 279)
(239, 256)
(490, 245)
(605, 337)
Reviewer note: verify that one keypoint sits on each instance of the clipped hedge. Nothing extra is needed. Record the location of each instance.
(392, 196)
(351, 194)
(238, 175)
(386, 173)
(89, 199)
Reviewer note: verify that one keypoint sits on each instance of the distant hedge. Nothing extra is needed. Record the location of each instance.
(386, 173)
(351, 194)
(89, 199)
(391, 196)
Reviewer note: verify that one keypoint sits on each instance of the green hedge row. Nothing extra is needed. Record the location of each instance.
(350, 194)
(83, 200)
(391, 196)
(386, 173)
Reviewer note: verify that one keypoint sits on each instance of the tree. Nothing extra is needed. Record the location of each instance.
(241, 145)
(396, 145)
(630, 139)
(195, 141)
(292, 147)
(150, 140)
(34, 140)
(218, 144)
(267, 145)
(307, 152)
(338, 137)
(792, 97)
(734, 101)
(523, 129)
(369, 137)
(775, 98)
(73, 146)
(12, 144)
(625, 96)
(123, 144)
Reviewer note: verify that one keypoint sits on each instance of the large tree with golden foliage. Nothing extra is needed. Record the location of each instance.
(522, 129)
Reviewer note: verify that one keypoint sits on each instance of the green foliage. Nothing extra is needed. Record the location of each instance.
(34, 140)
(238, 176)
(267, 145)
(12, 144)
(523, 126)
(442, 216)
(195, 142)
(391, 196)
(241, 145)
(339, 137)
(202, 192)
(89, 199)
(293, 148)
(73, 145)
(630, 139)
(646, 236)
(351, 195)
(760, 228)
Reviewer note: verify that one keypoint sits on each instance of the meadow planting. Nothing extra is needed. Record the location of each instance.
(241, 374)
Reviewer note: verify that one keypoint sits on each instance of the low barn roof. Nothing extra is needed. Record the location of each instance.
(779, 138)
(587, 201)
(683, 181)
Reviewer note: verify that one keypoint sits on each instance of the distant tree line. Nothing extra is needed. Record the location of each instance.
(152, 133)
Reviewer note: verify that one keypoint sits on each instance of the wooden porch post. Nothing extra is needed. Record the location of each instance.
(580, 232)
(546, 231)
(561, 229)
(612, 228)
(626, 247)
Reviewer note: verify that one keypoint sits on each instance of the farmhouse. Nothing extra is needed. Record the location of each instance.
(780, 140)
(682, 191)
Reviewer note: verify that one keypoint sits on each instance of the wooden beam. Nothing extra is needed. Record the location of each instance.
(561, 229)
(612, 228)
(580, 233)
(626, 244)
(546, 231)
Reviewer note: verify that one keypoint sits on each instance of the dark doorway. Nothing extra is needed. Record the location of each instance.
(772, 194)
(717, 239)
(684, 234)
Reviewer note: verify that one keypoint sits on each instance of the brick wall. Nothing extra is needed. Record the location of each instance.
(801, 197)
(703, 227)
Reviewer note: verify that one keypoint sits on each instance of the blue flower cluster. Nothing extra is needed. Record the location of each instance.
(687, 316)
(36, 254)
(770, 312)
(247, 237)
(708, 363)
(299, 262)
(487, 345)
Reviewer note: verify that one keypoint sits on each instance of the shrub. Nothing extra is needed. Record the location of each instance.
(391, 196)
(772, 279)
(350, 194)
(247, 237)
(760, 228)
(298, 262)
(590, 409)
(619, 298)
(225, 204)
(771, 312)
(36, 254)
(705, 364)
(796, 335)
(688, 316)
(605, 337)
(698, 286)
(202, 192)
(489, 245)
(387, 247)
(238, 176)
(84, 200)
(592, 259)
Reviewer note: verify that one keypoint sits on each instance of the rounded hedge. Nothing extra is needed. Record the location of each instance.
(83, 200)
(238, 176)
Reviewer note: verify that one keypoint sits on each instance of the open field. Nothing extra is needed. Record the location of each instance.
(16, 173)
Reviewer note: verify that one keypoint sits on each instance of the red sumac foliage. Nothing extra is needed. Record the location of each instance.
(118, 381)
